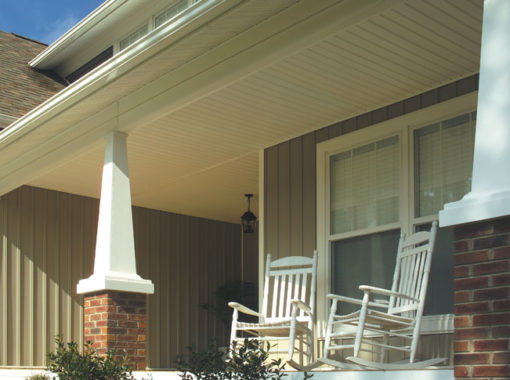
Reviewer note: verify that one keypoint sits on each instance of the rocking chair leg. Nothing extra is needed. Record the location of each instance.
(361, 325)
(233, 332)
(292, 334)
(383, 350)
(310, 347)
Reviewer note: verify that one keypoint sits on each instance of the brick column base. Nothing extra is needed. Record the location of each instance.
(482, 299)
(117, 320)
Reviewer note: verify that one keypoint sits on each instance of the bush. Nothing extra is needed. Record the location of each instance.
(248, 361)
(39, 377)
(70, 364)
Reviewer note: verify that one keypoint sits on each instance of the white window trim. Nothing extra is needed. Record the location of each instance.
(403, 126)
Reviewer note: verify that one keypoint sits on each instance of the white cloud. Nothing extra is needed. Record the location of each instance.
(58, 27)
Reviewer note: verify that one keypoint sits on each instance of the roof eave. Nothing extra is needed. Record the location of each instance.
(53, 53)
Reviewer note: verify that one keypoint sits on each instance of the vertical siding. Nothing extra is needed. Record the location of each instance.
(289, 206)
(47, 242)
(43, 253)
(187, 258)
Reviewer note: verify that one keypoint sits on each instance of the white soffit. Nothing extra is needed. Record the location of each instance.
(198, 157)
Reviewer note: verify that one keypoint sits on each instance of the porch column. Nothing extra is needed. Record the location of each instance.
(114, 305)
(490, 186)
(481, 219)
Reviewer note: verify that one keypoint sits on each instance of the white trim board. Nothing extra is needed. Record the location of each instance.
(428, 374)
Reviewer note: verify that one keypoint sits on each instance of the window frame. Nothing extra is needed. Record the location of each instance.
(404, 126)
(150, 22)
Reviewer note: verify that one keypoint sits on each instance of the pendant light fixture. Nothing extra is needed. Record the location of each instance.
(248, 219)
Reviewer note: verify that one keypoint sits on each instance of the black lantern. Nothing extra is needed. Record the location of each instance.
(248, 219)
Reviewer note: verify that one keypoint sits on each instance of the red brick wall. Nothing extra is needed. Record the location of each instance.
(482, 299)
(117, 320)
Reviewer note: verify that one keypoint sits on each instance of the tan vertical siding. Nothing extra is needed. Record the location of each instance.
(187, 258)
(47, 242)
(289, 206)
(42, 256)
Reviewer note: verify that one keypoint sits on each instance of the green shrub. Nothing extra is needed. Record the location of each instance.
(71, 364)
(206, 365)
(248, 361)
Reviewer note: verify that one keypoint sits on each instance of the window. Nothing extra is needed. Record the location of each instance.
(133, 37)
(386, 179)
(177, 8)
(172, 11)
(364, 186)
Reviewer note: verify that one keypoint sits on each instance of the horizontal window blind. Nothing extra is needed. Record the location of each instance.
(443, 163)
(364, 186)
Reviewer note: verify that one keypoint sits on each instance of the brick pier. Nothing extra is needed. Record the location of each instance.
(117, 320)
(482, 299)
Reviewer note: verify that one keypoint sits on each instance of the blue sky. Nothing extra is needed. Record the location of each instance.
(43, 20)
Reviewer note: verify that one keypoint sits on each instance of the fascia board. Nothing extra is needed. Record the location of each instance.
(48, 56)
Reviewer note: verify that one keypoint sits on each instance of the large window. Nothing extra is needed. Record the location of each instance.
(379, 184)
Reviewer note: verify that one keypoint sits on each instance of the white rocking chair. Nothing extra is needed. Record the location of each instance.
(287, 308)
(398, 317)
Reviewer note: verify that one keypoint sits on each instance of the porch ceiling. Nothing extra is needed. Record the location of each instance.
(194, 150)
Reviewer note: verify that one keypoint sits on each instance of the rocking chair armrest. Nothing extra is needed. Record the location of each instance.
(301, 305)
(386, 292)
(244, 309)
(355, 301)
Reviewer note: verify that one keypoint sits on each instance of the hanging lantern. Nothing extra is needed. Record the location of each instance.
(248, 219)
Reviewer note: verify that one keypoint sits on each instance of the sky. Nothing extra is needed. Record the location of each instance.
(43, 20)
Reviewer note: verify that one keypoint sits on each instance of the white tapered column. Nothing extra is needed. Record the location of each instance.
(115, 261)
(490, 189)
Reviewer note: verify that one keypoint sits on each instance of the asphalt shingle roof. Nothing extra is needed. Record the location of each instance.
(21, 87)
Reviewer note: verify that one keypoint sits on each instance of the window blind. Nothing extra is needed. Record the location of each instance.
(443, 163)
(365, 186)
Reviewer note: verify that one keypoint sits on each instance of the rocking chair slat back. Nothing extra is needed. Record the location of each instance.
(288, 279)
(411, 272)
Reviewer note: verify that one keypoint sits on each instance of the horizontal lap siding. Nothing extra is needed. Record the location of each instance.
(47, 243)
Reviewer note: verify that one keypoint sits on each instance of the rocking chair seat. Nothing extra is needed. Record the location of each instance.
(377, 318)
(276, 329)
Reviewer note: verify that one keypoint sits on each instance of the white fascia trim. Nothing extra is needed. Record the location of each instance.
(99, 76)
(77, 31)
(115, 281)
